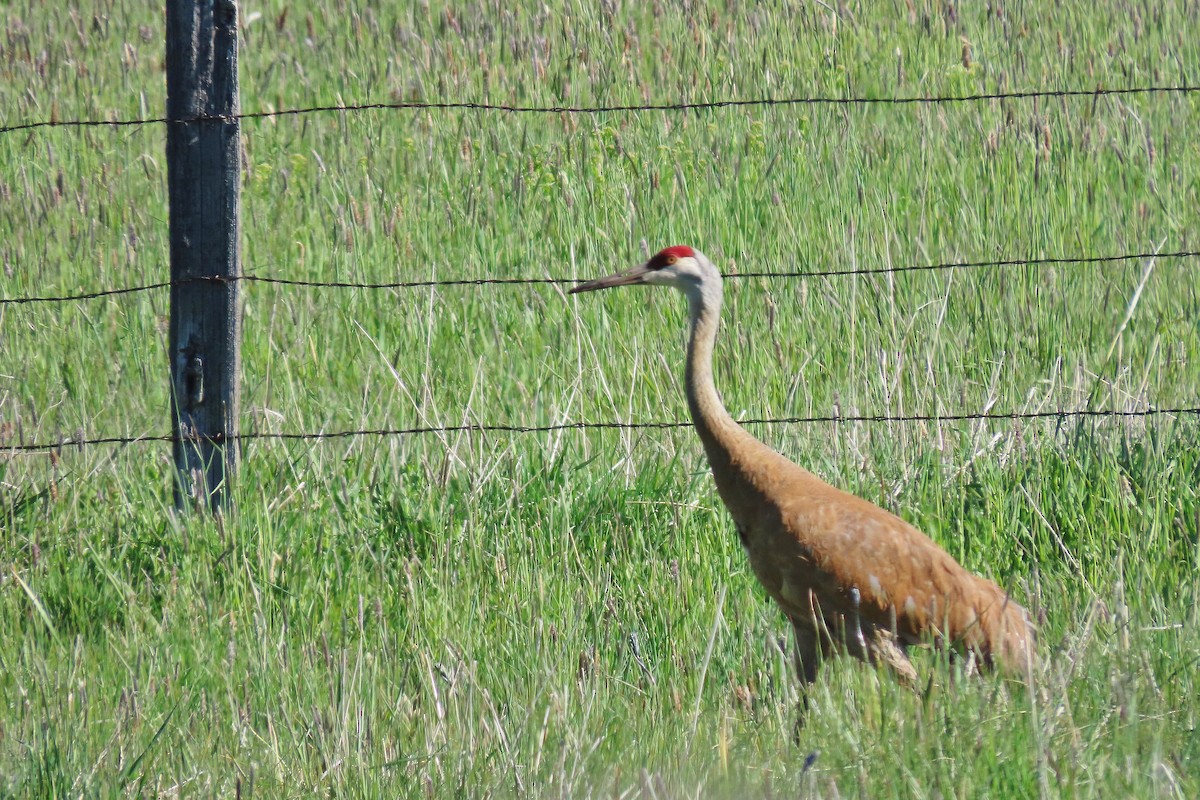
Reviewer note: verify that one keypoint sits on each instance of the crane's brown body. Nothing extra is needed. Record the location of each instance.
(849, 575)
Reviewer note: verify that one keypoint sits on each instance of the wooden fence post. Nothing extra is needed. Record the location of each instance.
(203, 180)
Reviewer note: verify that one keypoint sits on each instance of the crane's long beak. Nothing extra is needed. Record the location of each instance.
(634, 275)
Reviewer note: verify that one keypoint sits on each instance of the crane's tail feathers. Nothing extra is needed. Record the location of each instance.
(1004, 635)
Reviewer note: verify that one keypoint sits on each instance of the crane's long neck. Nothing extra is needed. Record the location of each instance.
(736, 458)
(716, 427)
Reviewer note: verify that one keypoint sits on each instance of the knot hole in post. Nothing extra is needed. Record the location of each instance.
(194, 381)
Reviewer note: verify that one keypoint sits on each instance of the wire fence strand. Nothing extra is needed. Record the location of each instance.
(69, 298)
(1096, 93)
(606, 109)
(266, 279)
(1083, 413)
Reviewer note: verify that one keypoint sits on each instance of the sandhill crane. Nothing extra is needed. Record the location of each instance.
(849, 576)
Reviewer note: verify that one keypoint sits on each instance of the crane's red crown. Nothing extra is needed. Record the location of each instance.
(670, 255)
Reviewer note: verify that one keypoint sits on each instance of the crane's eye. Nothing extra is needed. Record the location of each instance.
(671, 260)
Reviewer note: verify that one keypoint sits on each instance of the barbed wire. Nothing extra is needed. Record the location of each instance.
(67, 298)
(1005, 263)
(67, 442)
(606, 109)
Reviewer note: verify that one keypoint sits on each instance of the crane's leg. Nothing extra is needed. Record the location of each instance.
(810, 648)
(877, 645)
(883, 648)
(808, 652)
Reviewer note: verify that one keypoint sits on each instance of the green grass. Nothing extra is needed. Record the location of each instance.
(570, 614)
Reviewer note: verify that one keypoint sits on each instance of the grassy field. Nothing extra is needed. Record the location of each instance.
(570, 614)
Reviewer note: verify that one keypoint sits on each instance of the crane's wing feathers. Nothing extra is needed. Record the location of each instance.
(822, 552)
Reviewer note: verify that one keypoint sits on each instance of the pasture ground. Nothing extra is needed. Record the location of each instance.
(569, 614)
